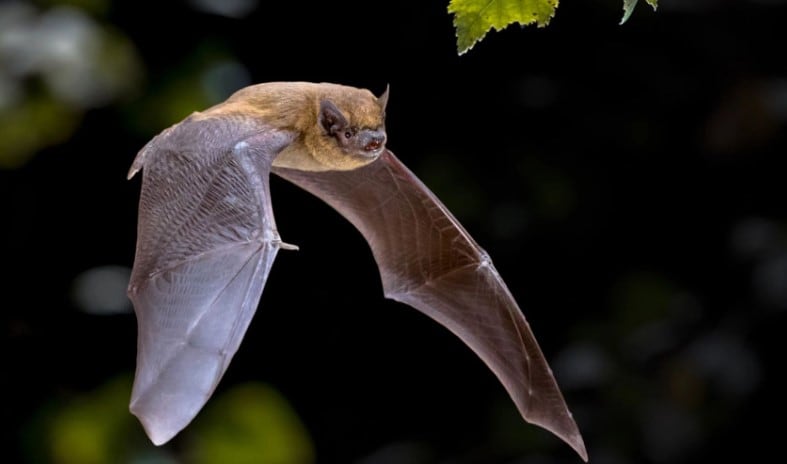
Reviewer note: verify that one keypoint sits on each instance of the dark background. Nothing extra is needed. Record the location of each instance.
(627, 180)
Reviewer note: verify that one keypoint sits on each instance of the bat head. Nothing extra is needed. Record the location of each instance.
(350, 128)
(352, 138)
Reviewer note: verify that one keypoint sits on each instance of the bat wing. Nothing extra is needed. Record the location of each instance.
(206, 242)
(428, 261)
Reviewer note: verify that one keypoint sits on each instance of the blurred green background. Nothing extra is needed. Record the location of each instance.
(629, 182)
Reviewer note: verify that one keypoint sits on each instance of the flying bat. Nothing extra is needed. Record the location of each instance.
(206, 240)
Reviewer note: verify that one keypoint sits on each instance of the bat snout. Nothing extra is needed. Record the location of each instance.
(372, 141)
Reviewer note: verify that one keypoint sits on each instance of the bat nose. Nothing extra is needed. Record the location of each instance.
(373, 140)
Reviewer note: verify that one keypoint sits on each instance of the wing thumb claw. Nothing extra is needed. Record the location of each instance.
(286, 246)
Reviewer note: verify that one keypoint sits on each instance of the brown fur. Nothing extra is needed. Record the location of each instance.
(294, 106)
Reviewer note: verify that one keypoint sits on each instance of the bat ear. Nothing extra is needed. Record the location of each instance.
(331, 119)
(383, 99)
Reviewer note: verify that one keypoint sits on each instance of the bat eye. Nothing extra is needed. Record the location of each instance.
(348, 134)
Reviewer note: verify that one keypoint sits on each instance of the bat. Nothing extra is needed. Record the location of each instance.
(206, 240)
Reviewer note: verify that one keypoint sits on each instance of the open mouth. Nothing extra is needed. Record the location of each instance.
(373, 145)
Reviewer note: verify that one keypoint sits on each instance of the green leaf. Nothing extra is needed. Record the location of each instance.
(92, 428)
(474, 18)
(251, 423)
(628, 8)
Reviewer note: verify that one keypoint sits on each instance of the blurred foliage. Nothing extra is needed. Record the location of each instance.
(208, 75)
(93, 7)
(249, 423)
(36, 121)
(56, 64)
(102, 290)
(93, 427)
